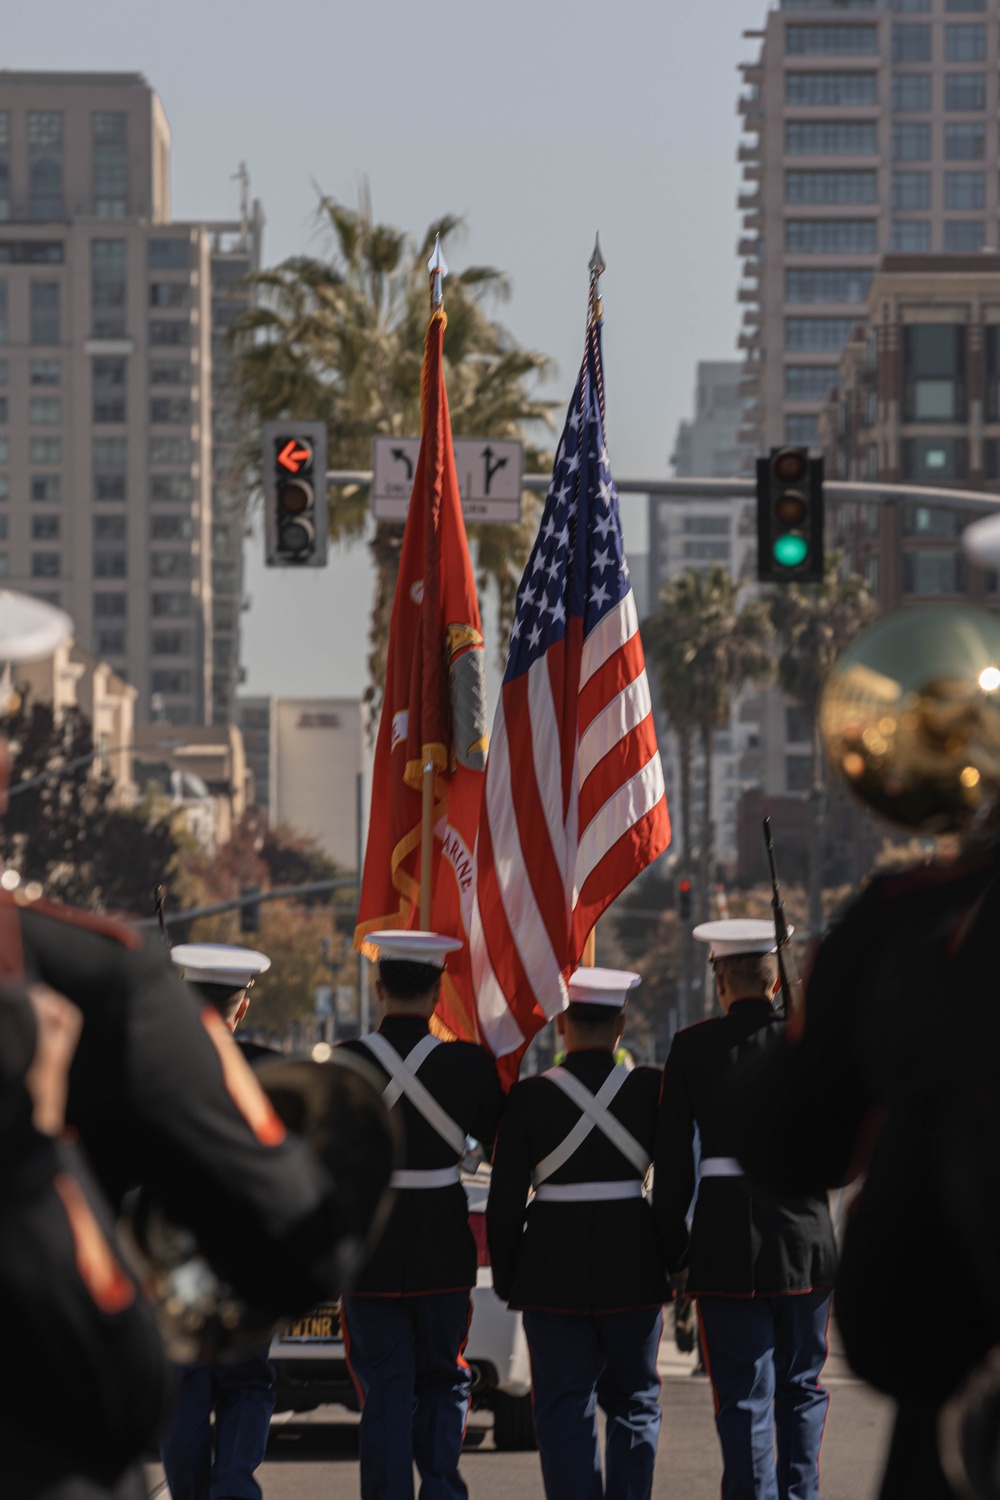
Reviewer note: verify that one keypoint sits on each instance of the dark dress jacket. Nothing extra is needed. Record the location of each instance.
(894, 1074)
(427, 1245)
(160, 1095)
(573, 1257)
(744, 1242)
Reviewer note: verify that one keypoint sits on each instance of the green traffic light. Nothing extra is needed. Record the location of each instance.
(790, 550)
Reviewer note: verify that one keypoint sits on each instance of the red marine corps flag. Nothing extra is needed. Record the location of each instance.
(433, 713)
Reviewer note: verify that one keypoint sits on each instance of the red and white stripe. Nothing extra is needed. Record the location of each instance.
(574, 809)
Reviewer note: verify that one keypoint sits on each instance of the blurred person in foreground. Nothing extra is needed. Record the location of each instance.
(407, 1320)
(889, 1074)
(216, 1433)
(760, 1267)
(581, 1259)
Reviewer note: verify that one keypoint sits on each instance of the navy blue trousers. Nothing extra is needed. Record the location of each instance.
(580, 1361)
(405, 1354)
(764, 1357)
(242, 1398)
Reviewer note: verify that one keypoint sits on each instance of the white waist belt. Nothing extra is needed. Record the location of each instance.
(587, 1192)
(437, 1177)
(721, 1166)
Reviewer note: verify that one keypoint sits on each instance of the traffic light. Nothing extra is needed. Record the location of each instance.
(685, 898)
(790, 517)
(293, 462)
(250, 910)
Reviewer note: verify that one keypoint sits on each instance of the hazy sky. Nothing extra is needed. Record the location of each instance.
(540, 121)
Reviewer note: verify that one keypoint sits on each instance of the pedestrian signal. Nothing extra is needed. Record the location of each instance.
(293, 461)
(685, 899)
(789, 517)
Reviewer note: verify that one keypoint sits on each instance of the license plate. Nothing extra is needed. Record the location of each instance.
(320, 1326)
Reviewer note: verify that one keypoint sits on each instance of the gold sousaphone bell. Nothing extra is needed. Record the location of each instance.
(910, 716)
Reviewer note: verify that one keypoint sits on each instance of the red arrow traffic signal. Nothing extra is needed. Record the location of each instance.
(293, 458)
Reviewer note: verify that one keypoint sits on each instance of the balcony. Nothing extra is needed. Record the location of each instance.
(749, 202)
(753, 270)
(749, 153)
(748, 292)
(748, 340)
(753, 174)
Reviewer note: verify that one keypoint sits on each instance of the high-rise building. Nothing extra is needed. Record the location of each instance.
(117, 426)
(871, 128)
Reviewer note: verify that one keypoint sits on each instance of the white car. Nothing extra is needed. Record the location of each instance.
(311, 1365)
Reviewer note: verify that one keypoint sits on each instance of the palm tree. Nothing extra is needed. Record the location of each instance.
(814, 623)
(707, 646)
(341, 339)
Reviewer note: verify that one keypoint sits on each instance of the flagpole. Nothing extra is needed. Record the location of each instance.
(437, 269)
(595, 312)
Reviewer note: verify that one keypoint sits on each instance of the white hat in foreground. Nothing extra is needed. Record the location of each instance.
(601, 986)
(738, 935)
(30, 628)
(219, 963)
(981, 541)
(398, 943)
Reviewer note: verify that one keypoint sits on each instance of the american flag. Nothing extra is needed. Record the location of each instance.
(574, 804)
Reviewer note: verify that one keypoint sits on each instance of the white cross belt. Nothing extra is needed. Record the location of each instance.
(587, 1192)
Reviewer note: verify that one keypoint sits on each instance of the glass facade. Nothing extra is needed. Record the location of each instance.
(108, 260)
(45, 166)
(110, 146)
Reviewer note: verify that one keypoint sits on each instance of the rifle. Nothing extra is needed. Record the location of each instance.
(780, 925)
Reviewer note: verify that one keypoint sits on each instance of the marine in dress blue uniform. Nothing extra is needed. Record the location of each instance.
(407, 1320)
(202, 1462)
(581, 1259)
(761, 1267)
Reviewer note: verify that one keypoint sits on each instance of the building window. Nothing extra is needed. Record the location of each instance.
(831, 187)
(45, 312)
(110, 165)
(3, 372)
(799, 773)
(109, 468)
(802, 431)
(4, 487)
(110, 642)
(798, 725)
(965, 190)
(169, 294)
(818, 335)
(171, 606)
(169, 255)
(964, 236)
(45, 528)
(965, 91)
(172, 488)
(170, 450)
(931, 460)
(45, 565)
(932, 520)
(4, 527)
(171, 528)
(992, 340)
(45, 165)
(965, 4)
(911, 236)
(107, 266)
(171, 643)
(4, 450)
(174, 334)
(831, 138)
(831, 88)
(965, 43)
(170, 374)
(45, 450)
(827, 285)
(45, 372)
(934, 570)
(911, 142)
(934, 372)
(170, 409)
(45, 411)
(965, 141)
(3, 411)
(706, 525)
(701, 552)
(911, 5)
(830, 236)
(110, 606)
(911, 42)
(108, 384)
(109, 547)
(809, 382)
(171, 680)
(31, 253)
(911, 190)
(3, 312)
(170, 564)
(831, 41)
(46, 488)
(911, 92)
(4, 166)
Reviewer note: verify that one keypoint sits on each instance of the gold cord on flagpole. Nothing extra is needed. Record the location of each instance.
(426, 843)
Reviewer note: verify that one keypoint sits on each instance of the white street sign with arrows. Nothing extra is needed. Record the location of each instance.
(489, 477)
